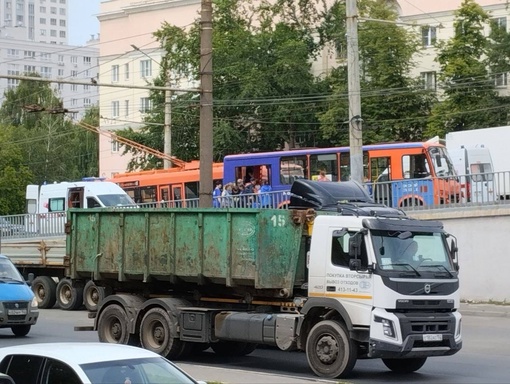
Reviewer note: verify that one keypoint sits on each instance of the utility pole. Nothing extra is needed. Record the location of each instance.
(206, 107)
(168, 123)
(355, 120)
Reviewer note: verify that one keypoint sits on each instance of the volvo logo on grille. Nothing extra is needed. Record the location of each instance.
(427, 288)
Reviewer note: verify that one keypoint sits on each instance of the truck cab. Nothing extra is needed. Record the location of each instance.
(18, 306)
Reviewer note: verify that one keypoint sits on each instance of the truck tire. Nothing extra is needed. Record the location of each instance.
(112, 326)
(92, 296)
(330, 351)
(45, 291)
(158, 334)
(69, 296)
(20, 330)
(405, 365)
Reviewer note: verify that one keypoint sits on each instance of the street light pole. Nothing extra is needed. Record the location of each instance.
(355, 121)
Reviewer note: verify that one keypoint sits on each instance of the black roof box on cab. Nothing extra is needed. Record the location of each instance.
(347, 197)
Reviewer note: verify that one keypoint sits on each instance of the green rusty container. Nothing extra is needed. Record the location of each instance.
(261, 249)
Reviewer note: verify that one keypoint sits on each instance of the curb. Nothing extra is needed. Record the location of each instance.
(485, 310)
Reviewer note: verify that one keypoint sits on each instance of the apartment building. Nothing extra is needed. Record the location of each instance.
(39, 20)
(434, 21)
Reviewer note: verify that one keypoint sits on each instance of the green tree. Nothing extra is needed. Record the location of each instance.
(471, 100)
(394, 105)
(14, 174)
(261, 84)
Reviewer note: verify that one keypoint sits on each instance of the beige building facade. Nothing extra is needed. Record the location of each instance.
(129, 55)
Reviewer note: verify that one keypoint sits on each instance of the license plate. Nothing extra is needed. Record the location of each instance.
(432, 337)
(17, 312)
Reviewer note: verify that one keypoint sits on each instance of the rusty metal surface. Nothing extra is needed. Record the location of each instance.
(35, 252)
(259, 248)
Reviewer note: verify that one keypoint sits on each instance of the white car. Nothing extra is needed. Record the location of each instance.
(88, 363)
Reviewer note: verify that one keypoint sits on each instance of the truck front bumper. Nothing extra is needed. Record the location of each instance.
(416, 334)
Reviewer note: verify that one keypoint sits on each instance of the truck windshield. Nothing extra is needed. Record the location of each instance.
(416, 253)
(115, 200)
(441, 162)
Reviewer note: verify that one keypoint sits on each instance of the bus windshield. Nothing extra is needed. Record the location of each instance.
(441, 162)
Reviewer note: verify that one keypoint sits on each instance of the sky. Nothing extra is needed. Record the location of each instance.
(82, 20)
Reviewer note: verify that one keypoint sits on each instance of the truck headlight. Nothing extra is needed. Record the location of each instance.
(388, 326)
(35, 303)
(457, 334)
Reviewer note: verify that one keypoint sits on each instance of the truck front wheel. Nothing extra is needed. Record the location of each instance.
(157, 334)
(405, 365)
(20, 330)
(45, 291)
(330, 351)
(69, 297)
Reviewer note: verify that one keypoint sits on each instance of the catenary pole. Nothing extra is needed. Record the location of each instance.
(206, 107)
(355, 121)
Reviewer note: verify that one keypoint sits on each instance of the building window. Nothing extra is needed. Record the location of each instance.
(62, 23)
(145, 104)
(42, 9)
(42, 20)
(53, 10)
(74, 59)
(145, 68)
(74, 87)
(115, 73)
(29, 69)
(62, 11)
(60, 58)
(87, 102)
(429, 80)
(43, 32)
(46, 71)
(126, 71)
(53, 33)
(86, 88)
(74, 73)
(86, 60)
(62, 1)
(45, 56)
(115, 146)
(29, 54)
(500, 79)
(126, 108)
(12, 83)
(74, 102)
(60, 73)
(498, 23)
(12, 52)
(62, 34)
(115, 109)
(428, 36)
(53, 21)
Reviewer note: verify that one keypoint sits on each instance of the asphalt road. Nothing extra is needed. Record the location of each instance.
(484, 358)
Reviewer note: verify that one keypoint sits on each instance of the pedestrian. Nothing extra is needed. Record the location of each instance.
(217, 195)
(226, 196)
(322, 176)
(265, 196)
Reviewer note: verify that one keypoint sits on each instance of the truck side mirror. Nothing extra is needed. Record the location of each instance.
(354, 264)
(355, 245)
(454, 254)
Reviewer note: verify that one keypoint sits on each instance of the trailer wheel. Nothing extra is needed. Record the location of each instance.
(405, 365)
(112, 326)
(45, 291)
(329, 350)
(249, 348)
(158, 334)
(230, 348)
(69, 296)
(20, 330)
(92, 296)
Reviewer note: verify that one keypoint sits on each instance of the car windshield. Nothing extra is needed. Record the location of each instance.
(8, 271)
(417, 253)
(150, 370)
(115, 200)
